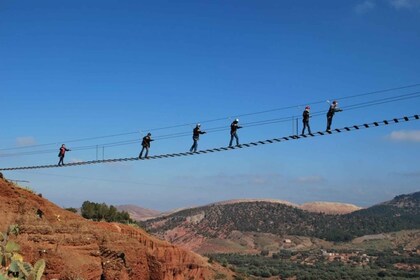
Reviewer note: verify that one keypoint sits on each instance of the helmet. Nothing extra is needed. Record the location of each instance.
(236, 120)
(334, 102)
(198, 125)
(307, 107)
(149, 134)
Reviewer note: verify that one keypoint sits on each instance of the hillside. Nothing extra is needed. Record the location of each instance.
(75, 248)
(317, 207)
(138, 213)
(233, 225)
(329, 207)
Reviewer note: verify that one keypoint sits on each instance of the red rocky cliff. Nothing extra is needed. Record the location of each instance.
(75, 248)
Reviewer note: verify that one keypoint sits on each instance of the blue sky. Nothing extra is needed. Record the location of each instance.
(81, 69)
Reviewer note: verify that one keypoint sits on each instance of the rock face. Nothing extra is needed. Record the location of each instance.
(75, 248)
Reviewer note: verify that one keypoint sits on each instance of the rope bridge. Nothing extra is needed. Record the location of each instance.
(222, 149)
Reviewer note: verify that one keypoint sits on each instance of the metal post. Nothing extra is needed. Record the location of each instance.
(293, 125)
(297, 126)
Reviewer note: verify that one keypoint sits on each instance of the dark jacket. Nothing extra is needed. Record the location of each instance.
(333, 109)
(305, 116)
(62, 151)
(146, 141)
(197, 132)
(234, 127)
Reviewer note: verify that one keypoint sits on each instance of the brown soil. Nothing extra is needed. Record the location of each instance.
(75, 248)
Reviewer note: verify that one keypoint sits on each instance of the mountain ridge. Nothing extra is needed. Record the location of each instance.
(139, 213)
(195, 227)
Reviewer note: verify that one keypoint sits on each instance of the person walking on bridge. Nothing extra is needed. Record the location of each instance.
(330, 114)
(305, 120)
(196, 137)
(146, 145)
(61, 154)
(234, 126)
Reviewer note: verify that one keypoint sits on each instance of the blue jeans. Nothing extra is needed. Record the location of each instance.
(194, 145)
(147, 151)
(306, 125)
(234, 135)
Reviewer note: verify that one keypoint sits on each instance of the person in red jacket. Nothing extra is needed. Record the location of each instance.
(61, 154)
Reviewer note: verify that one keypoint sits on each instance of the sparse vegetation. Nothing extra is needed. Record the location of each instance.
(12, 265)
(313, 265)
(71, 209)
(280, 219)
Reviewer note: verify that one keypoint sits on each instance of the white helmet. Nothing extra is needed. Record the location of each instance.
(236, 120)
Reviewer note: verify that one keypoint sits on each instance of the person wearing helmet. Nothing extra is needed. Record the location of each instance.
(61, 154)
(333, 109)
(146, 145)
(305, 120)
(196, 137)
(233, 132)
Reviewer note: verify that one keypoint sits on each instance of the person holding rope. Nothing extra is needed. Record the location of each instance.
(233, 132)
(196, 137)
(305, 120)
(146, 145)
(61, 154)
(330, 114)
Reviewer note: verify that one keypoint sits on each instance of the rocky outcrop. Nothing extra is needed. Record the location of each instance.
(75, 248)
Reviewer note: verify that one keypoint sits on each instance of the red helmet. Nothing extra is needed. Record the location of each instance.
(307, 107)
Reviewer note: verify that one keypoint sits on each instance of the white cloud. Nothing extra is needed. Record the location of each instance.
(404, 4)
(310, 180)
(405, 135)
(25, 141)
(364, 7)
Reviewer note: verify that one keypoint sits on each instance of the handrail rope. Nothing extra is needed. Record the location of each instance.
(220, 128)
(216, 119)
(222, 149)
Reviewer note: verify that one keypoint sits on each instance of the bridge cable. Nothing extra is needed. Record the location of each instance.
(222, 149)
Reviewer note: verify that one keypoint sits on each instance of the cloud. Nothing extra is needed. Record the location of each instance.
(405, 136)
(364, 7)
(25, 141)
(404, 4)
(310, 180)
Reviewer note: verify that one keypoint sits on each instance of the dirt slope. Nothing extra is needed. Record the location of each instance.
(75, 248)
(138, 213)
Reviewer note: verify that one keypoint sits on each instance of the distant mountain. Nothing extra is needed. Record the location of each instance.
(138, 213)
(226, 224)
(233, 201)
(329, 207)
